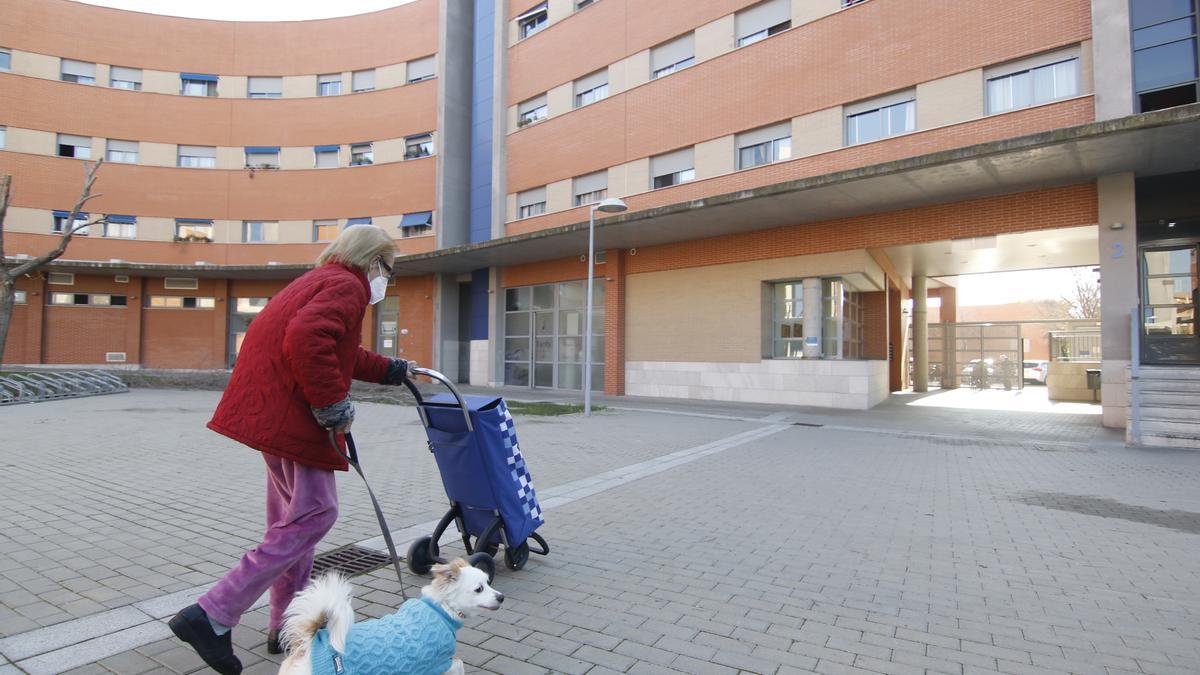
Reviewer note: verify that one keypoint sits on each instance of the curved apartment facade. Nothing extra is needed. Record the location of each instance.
(801, 177)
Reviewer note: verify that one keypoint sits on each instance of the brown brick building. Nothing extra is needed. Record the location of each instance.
(797, 174)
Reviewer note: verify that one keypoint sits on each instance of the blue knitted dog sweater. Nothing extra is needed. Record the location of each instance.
(418, 638)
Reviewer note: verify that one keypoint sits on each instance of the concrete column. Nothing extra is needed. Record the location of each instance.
(445, 325)
(920, 329)
(813, 313)
(1118, 291)
(1112, 60)
(495, 326)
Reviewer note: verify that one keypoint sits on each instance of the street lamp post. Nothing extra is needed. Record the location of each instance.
(611, 205)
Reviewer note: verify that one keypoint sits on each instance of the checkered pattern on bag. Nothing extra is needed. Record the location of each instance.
(516, 463)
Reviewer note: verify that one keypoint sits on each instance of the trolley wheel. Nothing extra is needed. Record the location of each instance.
(492, 549)
(419, 561)
(515, 558)
(483, 562)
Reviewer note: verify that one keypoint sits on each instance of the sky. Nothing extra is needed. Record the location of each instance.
(251, 10)
(1005, 287)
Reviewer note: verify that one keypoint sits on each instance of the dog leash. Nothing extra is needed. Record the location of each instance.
(352, 459)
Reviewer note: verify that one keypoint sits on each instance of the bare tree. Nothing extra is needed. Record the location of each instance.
(10, 272)
(1083, 299)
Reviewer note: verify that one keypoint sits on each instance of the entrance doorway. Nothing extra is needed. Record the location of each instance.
(1169, 298)
(387, 318)
(976, 355)
(543, 335)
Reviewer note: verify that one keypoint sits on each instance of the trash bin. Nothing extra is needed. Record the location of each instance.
(1093, 382)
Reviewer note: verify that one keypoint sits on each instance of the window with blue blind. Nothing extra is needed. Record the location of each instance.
(358, 221)
(194, 230)
(326, 156)
(60, 222)
(416, 224)
(119, 227)
(197, 84)
(262, 157)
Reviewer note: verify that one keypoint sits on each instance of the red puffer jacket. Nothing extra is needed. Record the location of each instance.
(301, 351)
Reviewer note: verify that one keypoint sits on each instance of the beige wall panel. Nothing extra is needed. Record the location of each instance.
(557, 10)
(102, 73)
(561, 99)
(512, 119)
(226, 232)
(231, 86)
(389, 224)
(616, 79)
(715, 38)
(817, 132)
(300, 86)
(297, 158)
(159, 82)
(231, 158)
(510, 209)
(714, 313)
(21, 219)
(387, 77)
(156, 229)
(1087, 72)
(558, 196)
(637, 69)
(158, 154)
(513, 33)
(637, 176)
(804, 11)
(36, 65)
(389, 150)
(1113, 59)
(616, 180)
(31, 141)
(295, 231)
(950, 100)
(715, 157)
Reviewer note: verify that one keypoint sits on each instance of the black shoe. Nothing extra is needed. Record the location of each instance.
(273, 646)
(192, 626)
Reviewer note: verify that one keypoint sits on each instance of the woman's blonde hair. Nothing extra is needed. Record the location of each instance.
(357, 246)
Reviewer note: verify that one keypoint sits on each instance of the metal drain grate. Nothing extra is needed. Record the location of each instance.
(350, 561)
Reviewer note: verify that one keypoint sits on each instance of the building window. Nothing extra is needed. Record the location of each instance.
(531, 111)
(125, 78)
(416, 224)
(80, 72)
(544, 335)
(762, 21)
(197, 156)
(194, 230)
(60, 223)
(591, 88)
(123, 152)
(3, 137)
(763, 146)
(591, 188)
(841, 321)
(357, 221)
(326, 230)
(788, 320)
(532, 21)
(79, 147)
(362, 154)
(180, 302)
(196, 84)
(329, 85)
(531, 203)
(362, 80)
(851, 3)
(580, 4)
(251, 305)
(326, 156)
(672, 56)
(258, 231)
(420, 69)
(60, 278)
(1164, 53)
(88, 299)
(878, 119)
(264, 87)
(262, 157)
(672, 168)
(416, 147)
(1032, 86)
(119, 227)
(20, 297)
(5, 60)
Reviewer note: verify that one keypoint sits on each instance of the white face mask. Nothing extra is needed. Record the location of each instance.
(378, 287)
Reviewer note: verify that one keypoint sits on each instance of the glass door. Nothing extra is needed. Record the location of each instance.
(387, 315)
(1169, 290)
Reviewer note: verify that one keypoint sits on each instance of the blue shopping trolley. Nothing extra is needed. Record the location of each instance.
(491, 493)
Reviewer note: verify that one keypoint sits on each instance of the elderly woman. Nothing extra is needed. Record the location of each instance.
(289, 389)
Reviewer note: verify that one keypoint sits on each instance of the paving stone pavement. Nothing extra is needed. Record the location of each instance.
(834, 550)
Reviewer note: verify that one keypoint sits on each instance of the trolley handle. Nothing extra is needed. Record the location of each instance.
(435, 375)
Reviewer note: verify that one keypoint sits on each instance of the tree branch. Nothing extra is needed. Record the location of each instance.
(68, 231)
(5, 185)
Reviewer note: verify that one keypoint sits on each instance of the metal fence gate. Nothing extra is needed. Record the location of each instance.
(976, 355)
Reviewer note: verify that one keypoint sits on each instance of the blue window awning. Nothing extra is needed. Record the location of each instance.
(417, 219)
(121, 219)
(326, 148)
(262, 150)
(198, 76)
(67, 214)
(195, 221)
(358, 221)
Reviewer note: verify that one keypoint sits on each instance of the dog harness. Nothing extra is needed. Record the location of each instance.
(418, 638)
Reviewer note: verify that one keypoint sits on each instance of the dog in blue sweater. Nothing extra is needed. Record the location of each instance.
(418, 639)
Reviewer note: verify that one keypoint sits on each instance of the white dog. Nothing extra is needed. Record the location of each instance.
(418, 639)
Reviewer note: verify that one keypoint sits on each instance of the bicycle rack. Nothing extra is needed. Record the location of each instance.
(32, 386)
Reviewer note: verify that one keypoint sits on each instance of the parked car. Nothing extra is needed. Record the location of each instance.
(1035, 371)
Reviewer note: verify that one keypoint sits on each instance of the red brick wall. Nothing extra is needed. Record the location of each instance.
(84, 334)
(614, 323)
(875, 325)
(186, 338)
(24, 343)
(550, 271)
(416, 314)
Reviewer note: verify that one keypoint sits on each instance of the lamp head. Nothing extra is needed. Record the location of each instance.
(611, 205)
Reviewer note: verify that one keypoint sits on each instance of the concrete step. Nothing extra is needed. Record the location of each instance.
(1171, 386)
(1169, 373)
(1170, 440)
(1188, 401)
(1171, 427)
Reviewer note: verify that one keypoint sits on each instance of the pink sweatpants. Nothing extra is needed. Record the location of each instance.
(301, 508)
